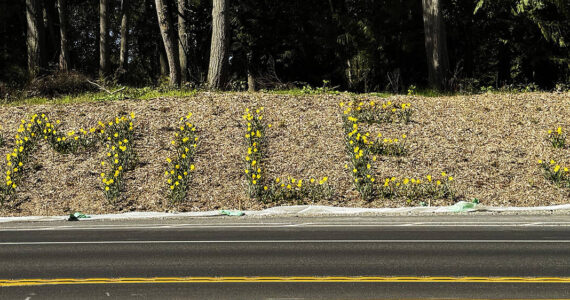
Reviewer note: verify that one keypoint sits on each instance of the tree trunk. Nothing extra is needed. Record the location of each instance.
(169, 40)
(183, 40)
(162, 60)
(123, 52)
(48, 38)
(63, 55)
(435, 43)
(103, 32)
(251, 86)
(219, 46)
(33, 21)
(250, 81)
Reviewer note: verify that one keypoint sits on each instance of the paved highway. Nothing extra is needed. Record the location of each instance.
(256, 258)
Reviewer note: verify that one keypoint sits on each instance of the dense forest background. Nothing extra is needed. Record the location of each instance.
(355, 45)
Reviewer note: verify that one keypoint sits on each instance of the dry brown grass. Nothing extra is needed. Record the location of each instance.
(489, 143)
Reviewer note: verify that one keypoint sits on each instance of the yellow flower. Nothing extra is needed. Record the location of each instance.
(106, 188)
(265, 188)
(556, 168)
(289, 186)
(192, 167)
(354, 170)
(438, 182)
(443, 174)
(540, 161)
(254, 181)
(450, 178)
(277, 180)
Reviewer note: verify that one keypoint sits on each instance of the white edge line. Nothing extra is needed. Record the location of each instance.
(186, 226)
(281, 241)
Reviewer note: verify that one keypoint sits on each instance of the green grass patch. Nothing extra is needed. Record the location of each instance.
(126, 93)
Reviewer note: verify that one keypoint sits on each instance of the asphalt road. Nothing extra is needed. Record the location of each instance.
(362, 258)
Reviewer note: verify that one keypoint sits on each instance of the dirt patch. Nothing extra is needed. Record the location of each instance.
(489, 143)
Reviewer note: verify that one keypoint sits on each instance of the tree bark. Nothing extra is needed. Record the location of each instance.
(219, 46)
(183, 40)
(251, 86)
(435, 43)
(103, 32)
(33, 20)
(123, 52)
(163, 63)
(63, 54)
(169, 40)
(48, 37)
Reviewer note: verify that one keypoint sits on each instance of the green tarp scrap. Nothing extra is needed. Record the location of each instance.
(232, 212)
(77, 215)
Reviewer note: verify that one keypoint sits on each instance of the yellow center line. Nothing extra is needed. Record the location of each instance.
(284, 279)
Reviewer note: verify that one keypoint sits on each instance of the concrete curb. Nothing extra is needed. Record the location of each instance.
(307, 211)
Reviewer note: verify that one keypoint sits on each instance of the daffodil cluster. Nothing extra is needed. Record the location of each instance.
(255, 141)
(297, 189)
(557, 138)
(40, 127)
(389, 146)
(179, 169)
(556, 173)
(418, 188)
(120, 156)
(263, 189)
(372, 112)
(363, 152)
(358, 147)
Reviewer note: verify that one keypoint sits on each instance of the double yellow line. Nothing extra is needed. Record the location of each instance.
(293, 279)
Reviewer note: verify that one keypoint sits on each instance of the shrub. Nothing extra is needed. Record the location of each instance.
(59, 83)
